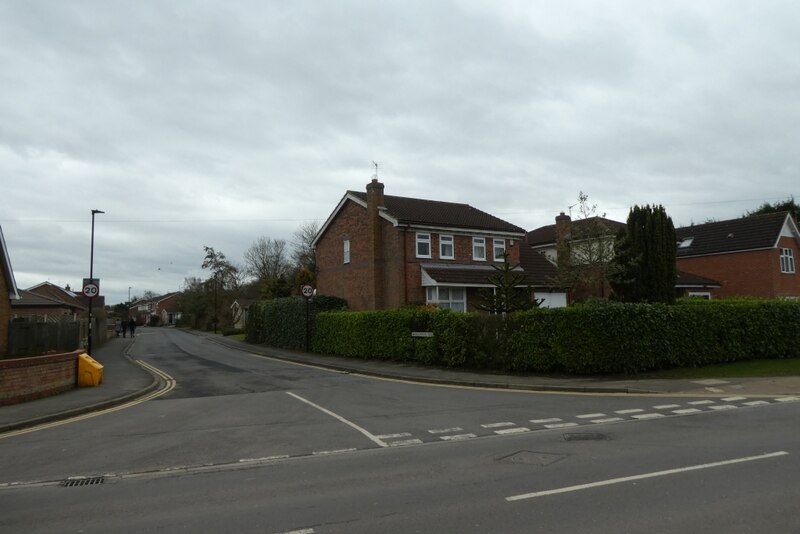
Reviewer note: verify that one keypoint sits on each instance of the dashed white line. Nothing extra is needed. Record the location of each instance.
(301, 531)
(755, 403)
(336, 451)
(458, 437)
(686, 411)
(497, 425)
(265, 458)
(561, 425)
(666, 406)
(632, 410)
(723, 407)
(608, 420)
(648, 416)
(543, 421)
(731, 399)
(517, 430)
(405, 442)
(590, 415)
(787, 399)
(394, 436)
(700, 402)
(446, 430)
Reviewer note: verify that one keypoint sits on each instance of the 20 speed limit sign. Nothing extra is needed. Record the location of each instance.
(91, 288)
(307, 291)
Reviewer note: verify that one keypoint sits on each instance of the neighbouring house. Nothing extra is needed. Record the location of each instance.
(751, 256)
(692, 285)
(166, 308)
(582, 250)
(35, 307)
(379, 251)
(8, 293)
(240, 312)
(72, 301)
(140, 310)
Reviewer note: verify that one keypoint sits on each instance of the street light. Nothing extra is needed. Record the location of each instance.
(91, 278)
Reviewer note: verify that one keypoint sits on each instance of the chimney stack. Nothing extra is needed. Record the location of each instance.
(375, 202)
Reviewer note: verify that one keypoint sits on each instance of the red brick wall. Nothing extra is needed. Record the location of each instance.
(349, 281)
(25, 379)
(753, 274)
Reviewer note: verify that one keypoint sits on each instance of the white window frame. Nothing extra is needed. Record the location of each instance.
(479, 244)
(445, 240)
(787, 261)
(346, 251)
(423, 239)
(700, 294)
(498, 245)
(443, 297)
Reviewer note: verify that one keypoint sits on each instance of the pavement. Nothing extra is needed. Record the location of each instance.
(125, 380)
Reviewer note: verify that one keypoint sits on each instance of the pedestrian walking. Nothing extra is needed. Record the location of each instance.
(124, 328)
(133, 326)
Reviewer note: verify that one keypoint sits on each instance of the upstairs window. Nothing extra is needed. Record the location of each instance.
(479, 248)
(346, 251)
(446, 250)
(423, 245)
(787, 261)
(498, 249)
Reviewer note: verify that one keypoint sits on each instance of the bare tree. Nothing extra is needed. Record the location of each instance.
(266, 259)
(303, 253)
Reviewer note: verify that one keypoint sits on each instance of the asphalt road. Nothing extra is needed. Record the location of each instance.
(248, 443)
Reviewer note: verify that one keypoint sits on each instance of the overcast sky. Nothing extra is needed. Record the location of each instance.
(214, 123)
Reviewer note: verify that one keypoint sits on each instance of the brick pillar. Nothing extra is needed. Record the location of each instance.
(374, 202)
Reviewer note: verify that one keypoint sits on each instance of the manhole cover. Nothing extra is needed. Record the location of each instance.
(586, 436)
(82, 481)
(533, 458)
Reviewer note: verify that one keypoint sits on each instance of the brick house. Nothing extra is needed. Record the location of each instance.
(8, 293)
(589, 246)
(379, 251)
(72, 301)
(166, 308)
(752, 256)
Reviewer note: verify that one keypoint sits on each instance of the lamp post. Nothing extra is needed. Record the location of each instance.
(91, 277)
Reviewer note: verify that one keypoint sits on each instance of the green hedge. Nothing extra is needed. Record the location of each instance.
(282, 322)
(610, 338)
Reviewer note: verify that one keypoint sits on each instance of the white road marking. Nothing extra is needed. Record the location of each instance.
(542, 421)
(787, 399)
(446, 430)
(264, 459)
(644, 476)
(405, 442)
(518, 430)
(648, 416)
(755, 403)
(686, 411)
(458, 437)
(609, 420)
(731, 399)
(336, 451)
(372, 437)
(666, 406)
(497, 425)
(301, 531)
(393, 436)
(632, 410)
(698, 403)
(590, 415)
(561, 425)
(723, 407)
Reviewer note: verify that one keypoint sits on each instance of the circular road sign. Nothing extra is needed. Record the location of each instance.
(91, 290)
(307, 291)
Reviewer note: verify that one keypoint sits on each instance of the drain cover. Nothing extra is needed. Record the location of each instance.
(586, 436)
(82, 481)
(532, 458)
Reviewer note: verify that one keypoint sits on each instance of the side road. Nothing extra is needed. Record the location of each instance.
(125, 380)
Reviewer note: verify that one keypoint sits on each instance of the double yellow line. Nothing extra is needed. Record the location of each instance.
(168, 384)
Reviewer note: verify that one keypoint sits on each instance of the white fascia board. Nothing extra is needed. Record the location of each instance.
(347, 196)
(725, 253)
(789, 229)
